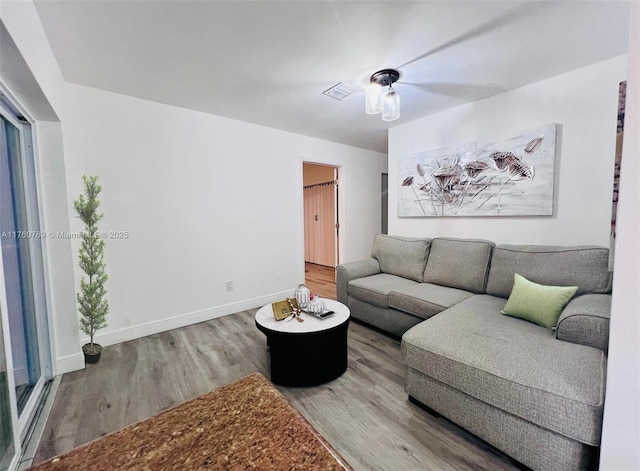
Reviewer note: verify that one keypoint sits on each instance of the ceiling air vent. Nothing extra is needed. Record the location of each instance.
(339, 91)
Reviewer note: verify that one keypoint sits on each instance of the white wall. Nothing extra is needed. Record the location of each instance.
(621, 428)
(204, 199)
(583, 102)
(54, 216)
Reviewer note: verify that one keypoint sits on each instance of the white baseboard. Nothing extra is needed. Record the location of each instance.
(69, 363)
(155, 327)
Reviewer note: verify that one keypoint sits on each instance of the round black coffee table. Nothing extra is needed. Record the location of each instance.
(306, 353)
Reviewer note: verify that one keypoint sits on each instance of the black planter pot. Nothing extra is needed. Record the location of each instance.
(91, 355)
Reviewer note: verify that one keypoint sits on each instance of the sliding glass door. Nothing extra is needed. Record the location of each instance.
(25, 359)
(15, 240)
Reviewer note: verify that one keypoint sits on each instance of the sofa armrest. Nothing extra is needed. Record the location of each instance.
(585, 320)
(352, 270)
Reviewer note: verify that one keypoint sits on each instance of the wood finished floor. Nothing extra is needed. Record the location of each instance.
(320, 279)
(364, 414)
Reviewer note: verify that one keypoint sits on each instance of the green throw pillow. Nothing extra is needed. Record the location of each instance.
(538, 303)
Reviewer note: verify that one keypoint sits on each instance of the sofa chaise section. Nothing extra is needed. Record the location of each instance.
(535, 393)
(551, 391)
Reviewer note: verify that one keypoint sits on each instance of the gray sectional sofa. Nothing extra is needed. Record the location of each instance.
(535, 393)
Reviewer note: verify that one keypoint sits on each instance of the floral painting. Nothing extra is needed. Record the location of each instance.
(514, 177)
(622, 96)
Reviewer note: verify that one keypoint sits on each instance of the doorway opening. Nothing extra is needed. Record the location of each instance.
(321, 190)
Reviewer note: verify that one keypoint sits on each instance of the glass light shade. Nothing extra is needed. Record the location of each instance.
(390, 105)
(373, 93)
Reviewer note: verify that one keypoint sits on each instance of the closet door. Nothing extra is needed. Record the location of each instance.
(326, 226)
(320, 224)
(309, 213)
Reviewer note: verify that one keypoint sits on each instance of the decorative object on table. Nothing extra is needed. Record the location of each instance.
(93, 305)
(286, 310)
(296, 310)
(512, 177)
(315, 307)
(303, 295)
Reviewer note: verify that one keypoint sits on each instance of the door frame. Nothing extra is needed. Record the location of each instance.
(340, 205)
(384, 194)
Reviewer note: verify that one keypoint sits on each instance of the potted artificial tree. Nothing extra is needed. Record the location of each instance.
(93, 305)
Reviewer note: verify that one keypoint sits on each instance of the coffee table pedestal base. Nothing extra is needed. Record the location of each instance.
(308, 359)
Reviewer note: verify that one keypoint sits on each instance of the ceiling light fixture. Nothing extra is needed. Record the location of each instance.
(388, 101)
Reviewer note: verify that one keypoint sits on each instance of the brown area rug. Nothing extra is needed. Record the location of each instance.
(243, 425)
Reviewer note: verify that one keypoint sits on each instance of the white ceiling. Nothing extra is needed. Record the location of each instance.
(268, 62)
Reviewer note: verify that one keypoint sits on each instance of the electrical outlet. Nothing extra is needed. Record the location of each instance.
(229, 285)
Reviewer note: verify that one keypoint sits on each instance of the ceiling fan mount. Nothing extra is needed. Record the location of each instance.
(385, 77)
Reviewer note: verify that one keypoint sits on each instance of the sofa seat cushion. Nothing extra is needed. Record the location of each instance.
(375, 289)
(512, 364)
(426, 299)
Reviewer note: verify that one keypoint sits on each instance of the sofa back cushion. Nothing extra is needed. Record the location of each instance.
(401, 256)
(459, 263)
(585, 267)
